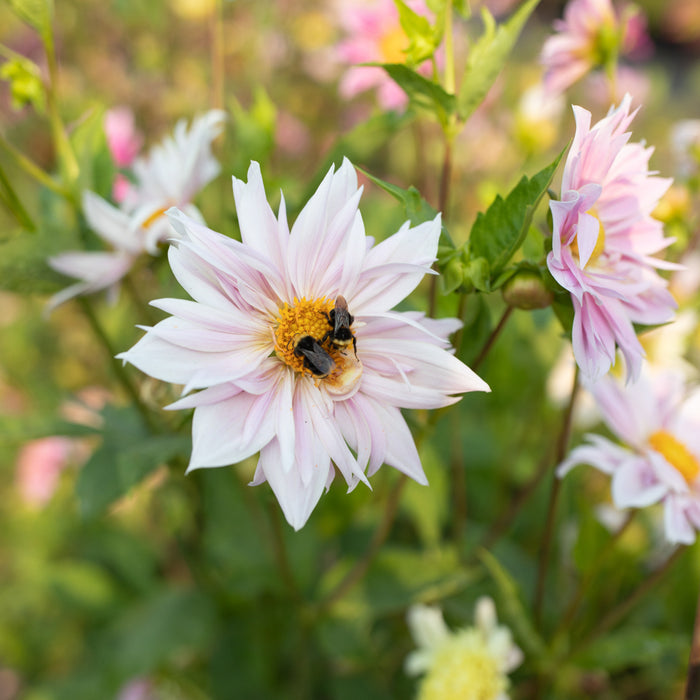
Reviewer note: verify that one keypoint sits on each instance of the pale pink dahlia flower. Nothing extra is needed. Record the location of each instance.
(657, 420)
(605, 239)
(591, 35)
(170, 175)
(254, 301)
(123, 139)
(373, 35)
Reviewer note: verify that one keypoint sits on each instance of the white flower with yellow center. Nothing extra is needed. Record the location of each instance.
(469, 664)
(171, 174)
(657, 420)
(293, 342)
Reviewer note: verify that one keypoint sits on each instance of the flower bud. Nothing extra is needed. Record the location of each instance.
(527, 290)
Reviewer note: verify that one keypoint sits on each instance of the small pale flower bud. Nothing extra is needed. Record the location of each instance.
(527, 290)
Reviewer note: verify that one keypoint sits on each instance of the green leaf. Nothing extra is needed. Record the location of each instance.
(417, 209)
(488, 56)
(497, 234)
(514, 609)
(127, 454)
(89, 143)
(422, 91)
(422, 36)
(37, 13)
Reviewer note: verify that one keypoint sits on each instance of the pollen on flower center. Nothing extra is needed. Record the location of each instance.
(676, 454)
(309, 319)
(463, 668)
(155, 216)
(599, 244)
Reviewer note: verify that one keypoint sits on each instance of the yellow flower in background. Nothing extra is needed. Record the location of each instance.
(469, 664)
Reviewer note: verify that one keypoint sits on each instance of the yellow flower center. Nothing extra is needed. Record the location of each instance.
(310, 318)
(676, 454)
(155, 216)
(463, 669)
(599, 244)
(393, 45)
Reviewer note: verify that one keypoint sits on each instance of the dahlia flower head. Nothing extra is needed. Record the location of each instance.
(171, 174)
(591, 34)
(257, 341)
(470, 664)
(657, 460)
(374, 35)
(605, 242)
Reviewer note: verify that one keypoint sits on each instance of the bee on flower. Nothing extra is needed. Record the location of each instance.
(605, 242)
(469, 664)
(657, 423)
(264, 341)
(171, 174)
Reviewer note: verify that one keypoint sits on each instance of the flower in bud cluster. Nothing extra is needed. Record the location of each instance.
(469, 664)
(526, 290)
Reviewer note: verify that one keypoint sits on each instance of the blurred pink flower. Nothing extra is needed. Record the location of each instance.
(604, 242)
(123, 140)
(374, 35)
(39, 465)
(307, 411)
(657, 420)
(171, 174)
(591, 35)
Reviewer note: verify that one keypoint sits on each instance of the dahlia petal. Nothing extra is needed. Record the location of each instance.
(677, 527)
(229, 431)
(601, 454)
(296, 499)
(109, 223)
(635, 485)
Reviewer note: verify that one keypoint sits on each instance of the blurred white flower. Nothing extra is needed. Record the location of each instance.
(469, 664)
(170, 175)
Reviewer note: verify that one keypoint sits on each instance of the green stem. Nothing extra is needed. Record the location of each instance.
(33, 169)
(117, 366)
(61, 143)
(380, 534)
(13, 203)
(562, 445)
(492, 338)
(692, 685)
(583, 587)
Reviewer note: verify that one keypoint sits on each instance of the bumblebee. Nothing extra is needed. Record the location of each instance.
(316, 359)
(340, 320)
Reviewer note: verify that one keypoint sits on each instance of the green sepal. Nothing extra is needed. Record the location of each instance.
(423, 37)
(488, 57)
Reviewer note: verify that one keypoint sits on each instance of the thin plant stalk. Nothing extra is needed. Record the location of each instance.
(14, 204)
(692, 685)
(492, 338)
(378, 538)
(562, 445)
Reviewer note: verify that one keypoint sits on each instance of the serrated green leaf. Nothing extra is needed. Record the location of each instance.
(421, 91)
(488, 56)
(497, 234)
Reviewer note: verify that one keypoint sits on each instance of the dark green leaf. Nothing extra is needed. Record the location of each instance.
(488, 56)
(422, 91)
(497, 234)
(127, 454)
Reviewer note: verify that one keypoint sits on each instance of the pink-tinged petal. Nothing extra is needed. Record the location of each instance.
(285, 431)
(635, 485)
(96, 270)
(194, 369)
(602, 454)
(319, 413)
(297, 499)
(666, 473)
(230, 430)
(123, 139)
(206, 397)
(676, 524)
(394, 267)
(111, 224)
(259, 228)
